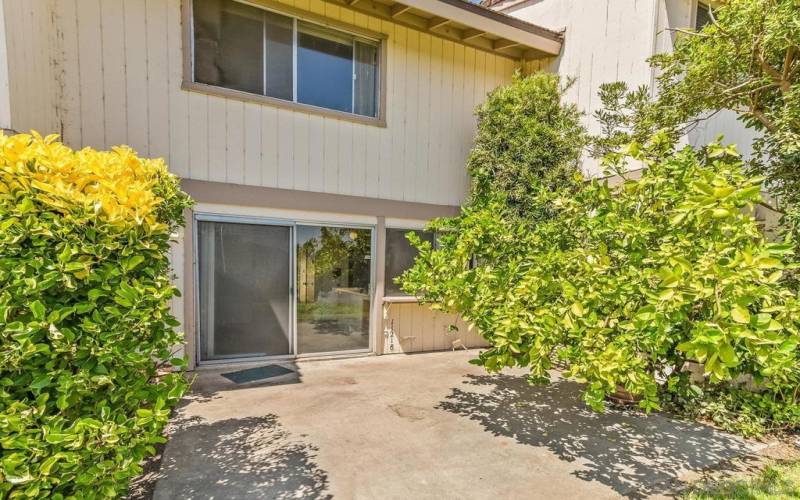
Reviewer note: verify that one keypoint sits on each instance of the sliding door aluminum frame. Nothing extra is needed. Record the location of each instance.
(292, 225)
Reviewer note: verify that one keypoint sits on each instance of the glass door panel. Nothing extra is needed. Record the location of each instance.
(244, 282)
(333, 288)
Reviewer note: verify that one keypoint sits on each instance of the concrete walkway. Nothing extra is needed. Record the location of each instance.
(417, 427)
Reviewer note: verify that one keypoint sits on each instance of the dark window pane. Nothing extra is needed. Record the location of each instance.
(278, 33)
(244, 290)
(703, 17)
(324, 67)
(400, 256)
(366, 79)
(228, 45)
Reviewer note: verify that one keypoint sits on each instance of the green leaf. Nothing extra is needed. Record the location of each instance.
(38, 310)
(728, 356)
(720, 213)
(40, 382)
(740, 315)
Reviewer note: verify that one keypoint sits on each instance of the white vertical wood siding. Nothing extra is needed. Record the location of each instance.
(33, 81)
(410, 327)
(611, 40)
(604, 41)
(107, 72)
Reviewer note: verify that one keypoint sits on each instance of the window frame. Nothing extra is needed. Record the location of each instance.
(405, 230)
(189, 84)
(698, 4)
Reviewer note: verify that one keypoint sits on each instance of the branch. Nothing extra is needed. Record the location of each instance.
(760, 116)
(787, 63)
(770, 207)
(715, 23)
(746, 83)
(777, 76)
(689, 32)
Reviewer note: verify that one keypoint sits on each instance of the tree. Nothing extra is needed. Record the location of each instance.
(528, 141)
(624, 285)
(746, 60)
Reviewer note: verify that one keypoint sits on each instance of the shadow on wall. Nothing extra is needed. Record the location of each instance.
(238, 458)
(629, 452)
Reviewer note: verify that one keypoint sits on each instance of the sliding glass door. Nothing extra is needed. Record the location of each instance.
(333, 285)
(252, 276)
(244, 285)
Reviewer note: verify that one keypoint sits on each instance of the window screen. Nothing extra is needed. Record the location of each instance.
(400, 256)
(228, 45)
(253, 50)
(366, 78)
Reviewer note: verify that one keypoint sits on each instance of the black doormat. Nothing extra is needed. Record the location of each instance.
(258, 373)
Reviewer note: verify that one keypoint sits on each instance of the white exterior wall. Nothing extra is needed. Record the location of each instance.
(5, 90)
(680, 14)
(108, 72)
(604, 41)
(30, 45)
(611, 40)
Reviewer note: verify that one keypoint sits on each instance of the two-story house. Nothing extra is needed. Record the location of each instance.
(313, 134)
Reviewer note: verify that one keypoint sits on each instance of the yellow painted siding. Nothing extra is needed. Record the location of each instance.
(108, 72)
(410, 327)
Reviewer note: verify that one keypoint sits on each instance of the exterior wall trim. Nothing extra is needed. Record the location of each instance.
(289, 199)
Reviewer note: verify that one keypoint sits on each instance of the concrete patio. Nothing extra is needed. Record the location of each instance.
(420, 426)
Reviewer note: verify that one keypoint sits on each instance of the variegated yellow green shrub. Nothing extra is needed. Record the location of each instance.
(84, 316)
(623, 286)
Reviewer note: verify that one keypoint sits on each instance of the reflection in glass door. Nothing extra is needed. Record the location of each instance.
(244, 284)
(333, 288)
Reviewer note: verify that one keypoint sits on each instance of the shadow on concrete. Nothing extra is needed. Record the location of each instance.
(238, 458)
(627, 451)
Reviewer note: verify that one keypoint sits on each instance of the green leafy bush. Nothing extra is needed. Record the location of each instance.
(626, 284)
(528, 142)
(746, 60)
(84, 316)
(736, 409)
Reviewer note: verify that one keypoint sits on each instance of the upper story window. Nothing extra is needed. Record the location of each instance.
(703, 16)
(245, 48)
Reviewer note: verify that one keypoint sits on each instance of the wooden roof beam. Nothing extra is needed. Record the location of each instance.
(469, 34)
(447, 31)
(504, 44)
(398, 9)
(437, 22)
